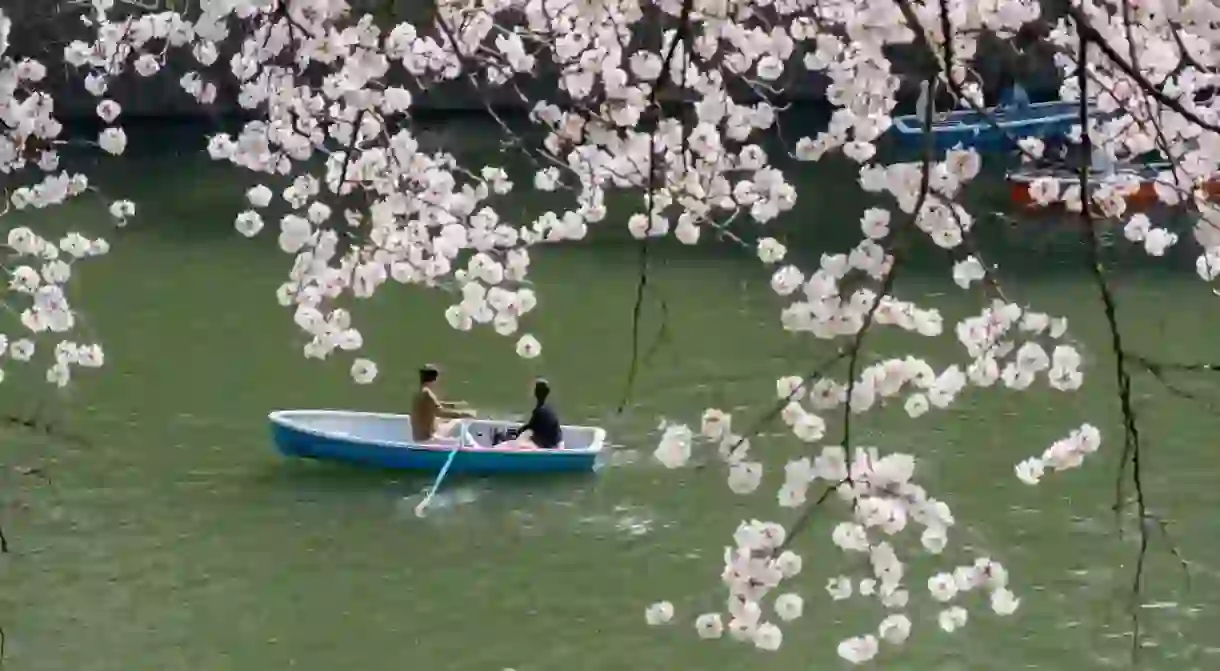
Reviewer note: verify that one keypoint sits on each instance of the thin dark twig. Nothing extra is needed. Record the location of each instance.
(806, 515)
(662, 333)
(854, 354)
(1131, 434)
(818, 372)
(637, 308)
(1158, 370)
(1173, 547)
(663, 80)
(887, 285)
(1160, 367)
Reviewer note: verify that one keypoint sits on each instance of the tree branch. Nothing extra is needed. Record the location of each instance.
(1131, 435)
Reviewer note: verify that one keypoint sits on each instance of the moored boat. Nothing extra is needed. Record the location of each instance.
(993, 129)
(384, 441)
(1137, 183)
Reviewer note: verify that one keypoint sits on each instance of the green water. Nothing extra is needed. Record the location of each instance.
(174, 537)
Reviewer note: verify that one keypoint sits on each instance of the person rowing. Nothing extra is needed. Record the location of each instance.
(427, 411)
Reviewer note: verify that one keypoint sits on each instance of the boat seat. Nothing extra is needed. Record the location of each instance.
(467, 439)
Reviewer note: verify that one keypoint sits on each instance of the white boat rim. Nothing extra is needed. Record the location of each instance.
(1148, 172)
(910, 123)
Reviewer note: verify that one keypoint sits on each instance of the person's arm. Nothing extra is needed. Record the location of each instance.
(450, 412)
(530, 424)
(444, 410)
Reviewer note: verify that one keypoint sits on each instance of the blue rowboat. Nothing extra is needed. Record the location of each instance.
(384, 441)
(993, 130)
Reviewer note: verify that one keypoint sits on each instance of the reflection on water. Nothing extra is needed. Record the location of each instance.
(627, 519)
(618, 457)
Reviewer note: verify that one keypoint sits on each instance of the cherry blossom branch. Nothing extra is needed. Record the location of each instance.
(680, 39)
(1131, 434)
(1162, 140)
(818, 372)
(1088, 34)
(1160, 367)
(1160, 370)
(806, 515)
(854, 349)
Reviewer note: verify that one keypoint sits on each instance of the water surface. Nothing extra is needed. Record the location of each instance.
(175, 538)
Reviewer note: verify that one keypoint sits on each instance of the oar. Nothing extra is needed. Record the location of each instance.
(440, 477)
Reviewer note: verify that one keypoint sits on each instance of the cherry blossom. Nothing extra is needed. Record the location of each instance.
(359, 203)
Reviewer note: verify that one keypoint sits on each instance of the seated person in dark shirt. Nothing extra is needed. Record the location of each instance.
(542, 430)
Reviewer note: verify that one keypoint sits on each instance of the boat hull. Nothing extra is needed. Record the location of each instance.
(370, 439)
(970, 129)
(1142, 197)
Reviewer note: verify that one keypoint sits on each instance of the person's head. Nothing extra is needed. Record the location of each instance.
(542, 389)
(428, 374)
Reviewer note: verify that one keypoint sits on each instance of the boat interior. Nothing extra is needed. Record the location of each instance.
(966, 119)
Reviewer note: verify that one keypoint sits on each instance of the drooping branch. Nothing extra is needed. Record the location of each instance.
(856, 347)
(1131, 434)
(681, 38)
(1160, 371)
(1089, 35)
(1162, 367)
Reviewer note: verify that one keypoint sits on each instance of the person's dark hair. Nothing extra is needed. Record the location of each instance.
(428, 373)
(542, 389)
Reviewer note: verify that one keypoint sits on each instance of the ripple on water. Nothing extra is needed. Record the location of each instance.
(1090, 525)
(445, 499)
(634, 521)
(616, 457)
(1097, 576)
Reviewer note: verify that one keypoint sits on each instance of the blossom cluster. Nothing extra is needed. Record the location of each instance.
(317, 73)
(1062, 455)
(882, 501)
(37, 269)
(990, 340)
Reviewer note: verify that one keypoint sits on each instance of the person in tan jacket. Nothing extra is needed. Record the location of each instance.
(427, 411)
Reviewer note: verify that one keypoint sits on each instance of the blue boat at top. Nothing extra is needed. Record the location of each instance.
(384, 441)
(994, 129)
